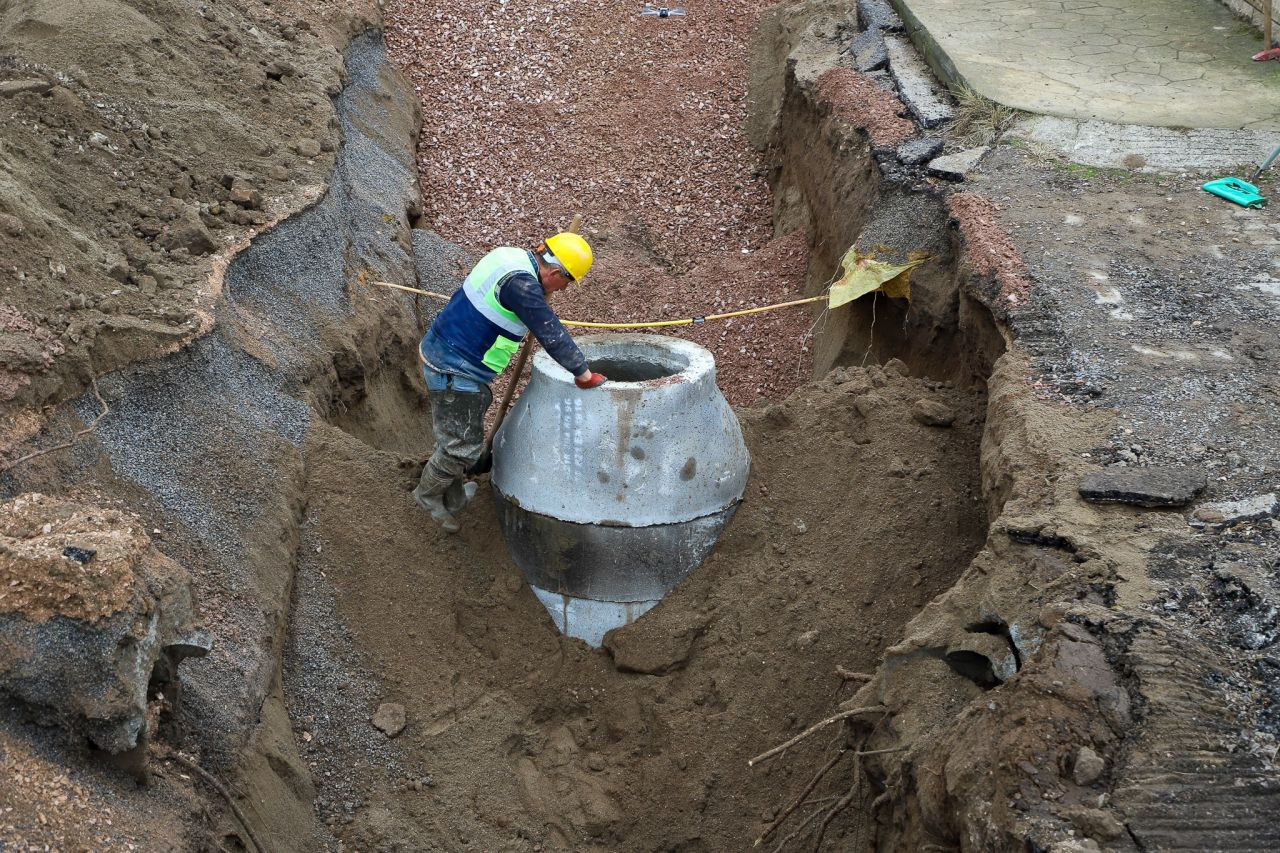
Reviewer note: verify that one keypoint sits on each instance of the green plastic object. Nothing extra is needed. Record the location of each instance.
(1235, 190)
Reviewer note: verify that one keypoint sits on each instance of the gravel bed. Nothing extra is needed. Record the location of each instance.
(534, 111)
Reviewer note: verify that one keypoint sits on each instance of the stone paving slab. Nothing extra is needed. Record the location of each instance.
(1153, 149)
(1166, 63)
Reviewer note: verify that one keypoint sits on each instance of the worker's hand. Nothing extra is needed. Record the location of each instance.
(588, 379)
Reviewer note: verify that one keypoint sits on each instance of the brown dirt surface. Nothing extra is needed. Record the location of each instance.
(988, 247)
(518, 738)
(859, 101)
(40, 577)
(149, 144)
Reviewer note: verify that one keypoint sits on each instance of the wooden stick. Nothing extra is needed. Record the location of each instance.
(77, 434)
(835, 718)
(1266, 24)
(850, 675)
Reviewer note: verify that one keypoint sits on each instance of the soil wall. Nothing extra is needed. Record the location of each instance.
(208, 444)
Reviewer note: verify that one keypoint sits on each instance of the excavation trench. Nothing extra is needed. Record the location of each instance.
(859, 510)
(277, 454)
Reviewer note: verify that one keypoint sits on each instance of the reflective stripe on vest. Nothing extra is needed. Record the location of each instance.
(481, 289)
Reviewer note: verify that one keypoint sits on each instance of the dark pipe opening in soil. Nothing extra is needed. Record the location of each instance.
(636, 369)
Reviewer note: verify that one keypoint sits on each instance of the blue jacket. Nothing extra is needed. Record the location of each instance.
(474, 337)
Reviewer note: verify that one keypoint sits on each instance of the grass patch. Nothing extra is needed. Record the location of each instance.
(978, 119)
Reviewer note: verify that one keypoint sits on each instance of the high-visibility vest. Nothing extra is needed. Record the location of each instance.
(478, 325)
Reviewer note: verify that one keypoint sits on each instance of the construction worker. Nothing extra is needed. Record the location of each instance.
(473, 339)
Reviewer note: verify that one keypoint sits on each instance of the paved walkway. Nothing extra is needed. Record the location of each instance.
(1168, 63)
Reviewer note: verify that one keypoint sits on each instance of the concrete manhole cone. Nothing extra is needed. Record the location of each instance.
(609, 497)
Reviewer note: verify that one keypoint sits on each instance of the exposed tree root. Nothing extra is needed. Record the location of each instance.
(799, 799)
(212, 781)
(841, 805)
(5, 466)
(850, 675)
(835, 718)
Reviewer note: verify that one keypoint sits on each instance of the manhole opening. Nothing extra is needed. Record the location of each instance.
(637, 367)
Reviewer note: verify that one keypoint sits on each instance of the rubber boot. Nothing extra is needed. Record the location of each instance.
(430, 495)
(459, 496)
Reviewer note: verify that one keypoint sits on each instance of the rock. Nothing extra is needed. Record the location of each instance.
(190, 234)
(182, 188)
(897, 367)
(244, 194)
(651, 647)
(11, 225)
(99, 140)
(954, 167)
(13, 88)
(1149, 487)
(919, 151)
(1094, 823)
(933, 413)
(154, 132)
(90, 613)
(1087, 767)
(119, 270)
(280, 68)
(596, 762)
(390, 718)
(916, 86)
(878, 15)
(868, 51)
(1223, 514)
(306, 147)
(279, 172)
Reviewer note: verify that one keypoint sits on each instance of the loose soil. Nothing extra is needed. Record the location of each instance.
(856, 514)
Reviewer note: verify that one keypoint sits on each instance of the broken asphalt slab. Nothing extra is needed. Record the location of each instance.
(1146, 487)
(954, 167)
(924, 97)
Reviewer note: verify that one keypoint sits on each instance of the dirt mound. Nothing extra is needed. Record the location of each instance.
(518, 737)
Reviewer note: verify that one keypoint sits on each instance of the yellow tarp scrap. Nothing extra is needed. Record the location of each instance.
(863, 274)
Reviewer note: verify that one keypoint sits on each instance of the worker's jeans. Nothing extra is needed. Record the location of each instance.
(458, 405)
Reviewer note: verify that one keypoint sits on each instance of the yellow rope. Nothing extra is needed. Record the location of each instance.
(652, 324)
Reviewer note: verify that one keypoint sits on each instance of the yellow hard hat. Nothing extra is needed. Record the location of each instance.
(572, 252)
